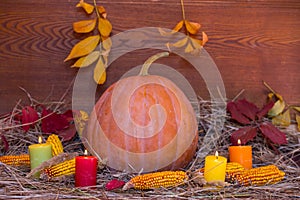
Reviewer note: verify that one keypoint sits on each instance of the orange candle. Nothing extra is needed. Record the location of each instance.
(215, 168)
(241, 154)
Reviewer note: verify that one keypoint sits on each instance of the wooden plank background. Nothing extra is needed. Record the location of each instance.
(250, 41)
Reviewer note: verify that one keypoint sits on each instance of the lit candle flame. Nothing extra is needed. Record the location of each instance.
(85, 152)
(239, 142)
(40, 139)
(217, 154)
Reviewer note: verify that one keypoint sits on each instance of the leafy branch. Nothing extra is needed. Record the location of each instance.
(251, 117)
(93, 48)
(190, 43)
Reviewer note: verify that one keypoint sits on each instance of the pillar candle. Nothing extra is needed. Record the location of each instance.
(39, 153)
(241, 154)
(215, 168)
(85, 170)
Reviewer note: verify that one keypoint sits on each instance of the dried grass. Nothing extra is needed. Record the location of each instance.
(214, 135)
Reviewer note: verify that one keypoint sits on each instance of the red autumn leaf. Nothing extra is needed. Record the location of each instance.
(4, 142)
(243, 134)
(69, 133)
(236, 114)
(114, 184)
(29, 115)
(17, 117)
(68, 115)
(53, 122)
(247, 108)
(265, 110)
(272, 133)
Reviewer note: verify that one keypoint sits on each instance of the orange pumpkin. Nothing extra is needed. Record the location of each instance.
(143, 122)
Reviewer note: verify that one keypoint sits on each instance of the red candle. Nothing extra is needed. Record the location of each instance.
(85, 170)
(241, 154)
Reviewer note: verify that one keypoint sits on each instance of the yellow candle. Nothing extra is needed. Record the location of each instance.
(215, 168)
(241, 154)
(39, 153)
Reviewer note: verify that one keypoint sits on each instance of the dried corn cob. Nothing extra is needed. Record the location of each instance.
(269, 174)
(156, 180)
(64, 168)
(57, 147)
(230, 168)
(234, 167)
(16, 160)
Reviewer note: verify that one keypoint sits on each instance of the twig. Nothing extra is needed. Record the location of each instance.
(267, 86)
(242, 91)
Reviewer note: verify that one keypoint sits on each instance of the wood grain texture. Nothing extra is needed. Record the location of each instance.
(250, 41)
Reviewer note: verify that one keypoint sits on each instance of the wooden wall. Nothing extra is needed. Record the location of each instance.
(250, 41)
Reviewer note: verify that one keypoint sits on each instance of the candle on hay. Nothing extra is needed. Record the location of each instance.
(241, 154)
(85, 170)
(38, 153)
(215, 168)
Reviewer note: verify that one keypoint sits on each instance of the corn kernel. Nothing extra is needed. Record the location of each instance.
(16, 160)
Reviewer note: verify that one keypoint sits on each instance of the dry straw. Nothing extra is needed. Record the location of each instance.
(15, 185)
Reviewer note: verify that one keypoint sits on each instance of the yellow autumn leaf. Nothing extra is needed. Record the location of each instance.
(102, 11)
(105, 59)
(104, 26)
(296, 108)
(298, 121)
(83, 47)
(196, 43)
(181, 42)
(189, 48)
(283, 119)
(204, 38)
(270, 95)
(99, 72)
(86, 6)
(87, 60)
(178, 26)
(192, 27)
(80, 120)
(107, 43)
(84, 26)
(277, 108)
(276, 96)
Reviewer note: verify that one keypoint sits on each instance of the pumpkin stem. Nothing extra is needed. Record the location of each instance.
(149, 61)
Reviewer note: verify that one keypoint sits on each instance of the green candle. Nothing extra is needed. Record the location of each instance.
(39, 153)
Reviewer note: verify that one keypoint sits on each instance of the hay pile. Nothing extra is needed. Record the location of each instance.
(15, 185)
